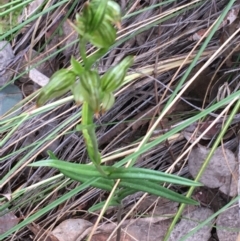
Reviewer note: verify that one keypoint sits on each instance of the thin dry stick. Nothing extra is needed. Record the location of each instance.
(103, 210)
(172, 166)
(128, 214)
(40, 237)
(46, 122)
(35, 31)
(133, 7)
(185, 87)
(201, 136)
(217, 71)
(143, 141)
(156, 18)
(170, 105)
(41, 150)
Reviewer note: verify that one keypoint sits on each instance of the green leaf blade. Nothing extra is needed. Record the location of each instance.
(158, 190)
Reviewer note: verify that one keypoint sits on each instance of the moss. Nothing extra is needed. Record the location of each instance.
(9, 20)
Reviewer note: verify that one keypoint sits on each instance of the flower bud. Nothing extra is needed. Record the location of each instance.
(87, 15)
(104, 37)
(77, 93)
(90, 89)
(79, 25)
(95, 25)
(107, 101)
(114, 77)
(98, 8)
(59, 84)
(113, 13)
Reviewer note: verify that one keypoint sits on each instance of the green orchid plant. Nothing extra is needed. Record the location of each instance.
(97, 24)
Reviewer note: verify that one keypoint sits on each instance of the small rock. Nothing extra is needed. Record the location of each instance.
(10, 96)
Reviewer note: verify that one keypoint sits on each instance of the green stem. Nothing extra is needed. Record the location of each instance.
(82, 43)
(94, 148)
(94, 57)
(90, 137)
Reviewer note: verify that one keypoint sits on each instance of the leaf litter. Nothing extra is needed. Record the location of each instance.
(128, 122)
(219, 171)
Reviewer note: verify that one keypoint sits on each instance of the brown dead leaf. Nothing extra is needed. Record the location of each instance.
(132, 230)
(101, 237)
(201, 127)
(154, 229)
(197, 36)
(71, 229)
(196, 129)
(228, 20)
(7, 221)
(190, 221)
(156, 206)
(219, 169)
(41, 234)
(230, 185)
(226, 221)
